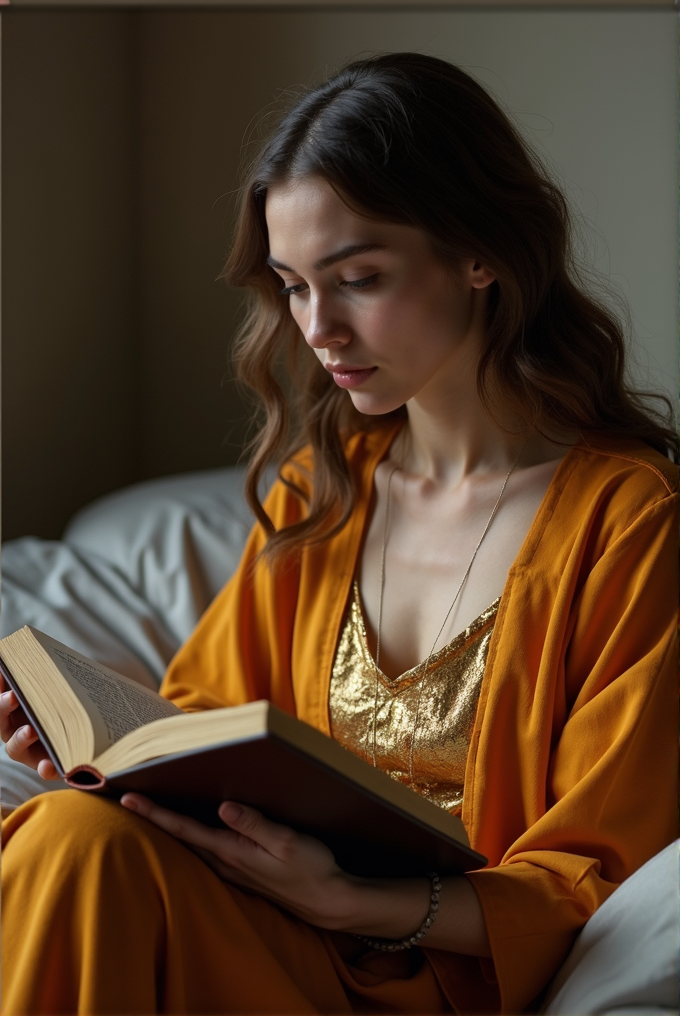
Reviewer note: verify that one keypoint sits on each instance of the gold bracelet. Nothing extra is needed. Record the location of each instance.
(391, 945)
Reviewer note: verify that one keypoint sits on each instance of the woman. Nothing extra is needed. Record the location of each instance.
(469, 496)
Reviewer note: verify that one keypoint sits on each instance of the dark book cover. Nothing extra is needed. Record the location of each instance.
(296, 775)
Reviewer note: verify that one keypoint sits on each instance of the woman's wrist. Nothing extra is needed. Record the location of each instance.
(415, 937)
(381, 908)
(396, 908)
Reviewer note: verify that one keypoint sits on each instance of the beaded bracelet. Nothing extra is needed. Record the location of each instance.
(389, 945)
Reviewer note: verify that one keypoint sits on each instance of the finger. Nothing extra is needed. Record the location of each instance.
(278, 840)
(24, 746)
(180, 826)
(37, 758)
(47, 769)
(10, 715)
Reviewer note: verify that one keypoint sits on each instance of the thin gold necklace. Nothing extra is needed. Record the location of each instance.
(425, 665)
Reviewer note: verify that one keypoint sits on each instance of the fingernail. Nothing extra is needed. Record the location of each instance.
(5, 697)
(230, 812)
(129, 803)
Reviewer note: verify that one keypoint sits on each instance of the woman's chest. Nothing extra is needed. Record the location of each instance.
(433, 570)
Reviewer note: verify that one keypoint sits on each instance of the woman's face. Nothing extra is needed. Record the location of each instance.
(381, 311)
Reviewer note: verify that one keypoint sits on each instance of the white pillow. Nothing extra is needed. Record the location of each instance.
(175, 541)
(81, 600)
(627, 958)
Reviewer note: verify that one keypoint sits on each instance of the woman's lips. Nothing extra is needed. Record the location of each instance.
(351, 378)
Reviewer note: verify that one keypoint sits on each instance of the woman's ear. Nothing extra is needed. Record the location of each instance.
(480, 276)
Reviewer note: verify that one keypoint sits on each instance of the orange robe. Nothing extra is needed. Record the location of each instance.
(570, 782)
(569, 786)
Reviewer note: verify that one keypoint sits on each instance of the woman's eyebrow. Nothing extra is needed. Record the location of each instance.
(350, 250)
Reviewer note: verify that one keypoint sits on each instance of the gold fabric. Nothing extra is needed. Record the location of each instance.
(440, 704)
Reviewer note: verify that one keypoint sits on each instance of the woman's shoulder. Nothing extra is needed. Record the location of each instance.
(598, 459)
(605, 489)
(290, 494)
(362, 448)
(605, 459)
(608, 487)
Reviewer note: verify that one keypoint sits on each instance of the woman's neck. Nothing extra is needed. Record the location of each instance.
(447, 440)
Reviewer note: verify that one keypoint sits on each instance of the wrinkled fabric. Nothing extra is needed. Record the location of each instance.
(104, 914)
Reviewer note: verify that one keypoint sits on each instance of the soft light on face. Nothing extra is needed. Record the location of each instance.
(380, 310)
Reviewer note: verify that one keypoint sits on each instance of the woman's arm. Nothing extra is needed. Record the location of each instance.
(395, 909)
(300, 874)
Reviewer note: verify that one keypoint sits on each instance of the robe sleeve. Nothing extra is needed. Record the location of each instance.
(611, 800)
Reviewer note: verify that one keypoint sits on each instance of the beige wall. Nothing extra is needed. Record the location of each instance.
(201, 80)
(122, 136)
(69, 349)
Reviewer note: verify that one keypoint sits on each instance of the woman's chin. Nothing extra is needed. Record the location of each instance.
(372, 405)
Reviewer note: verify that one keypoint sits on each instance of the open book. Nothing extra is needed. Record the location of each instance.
(108, 734)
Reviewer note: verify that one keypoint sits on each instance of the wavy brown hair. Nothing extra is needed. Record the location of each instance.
(411, 139)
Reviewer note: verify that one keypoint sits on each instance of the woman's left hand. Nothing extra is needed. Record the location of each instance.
(291, 869)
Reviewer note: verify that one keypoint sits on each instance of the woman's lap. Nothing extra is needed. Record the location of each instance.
(105, 913)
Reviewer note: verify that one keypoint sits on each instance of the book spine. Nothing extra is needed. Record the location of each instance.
(85, 778)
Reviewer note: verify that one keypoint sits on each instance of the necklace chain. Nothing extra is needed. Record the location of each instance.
(425, 665)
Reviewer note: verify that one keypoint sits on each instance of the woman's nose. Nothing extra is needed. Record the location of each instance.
(324, 326)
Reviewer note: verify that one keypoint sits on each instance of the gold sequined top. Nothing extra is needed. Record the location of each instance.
(443, 700)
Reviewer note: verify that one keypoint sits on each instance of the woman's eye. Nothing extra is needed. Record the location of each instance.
(300, 287)
(297, 288)
(360, 283)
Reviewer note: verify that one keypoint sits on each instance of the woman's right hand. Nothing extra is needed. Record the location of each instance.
(23, 744)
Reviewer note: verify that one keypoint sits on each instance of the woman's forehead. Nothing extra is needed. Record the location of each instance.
(307, 201)
(308, 219)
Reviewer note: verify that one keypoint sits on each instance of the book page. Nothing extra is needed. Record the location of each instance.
(115, 704)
